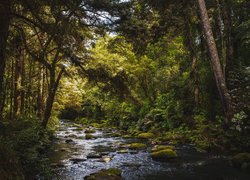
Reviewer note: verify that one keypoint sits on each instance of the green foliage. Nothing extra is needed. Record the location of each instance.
(69, 113)
(26, 149)
(10, 167)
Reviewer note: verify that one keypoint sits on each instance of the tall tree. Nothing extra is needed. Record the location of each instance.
(215, 63)
(4, 24)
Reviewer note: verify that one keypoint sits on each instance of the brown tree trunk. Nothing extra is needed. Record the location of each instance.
(23, 77)
(228, 35)
(39, 93)
(4, 29)
(17, 78)
(51, 95)
(215, 63)
(190, 45)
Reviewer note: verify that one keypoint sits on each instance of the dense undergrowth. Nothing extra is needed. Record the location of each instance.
(24, 145)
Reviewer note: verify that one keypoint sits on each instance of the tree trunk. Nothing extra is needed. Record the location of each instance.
(215, 63)
(228, 35)
(4, 24)
(39, 92)
(17, 78)
(190, 45)
(51, 96)
(23, 83)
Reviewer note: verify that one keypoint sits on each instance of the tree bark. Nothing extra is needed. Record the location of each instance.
(23, 83)
(215, 63)
(228, 35)
(17, 78)
(4, 29)
(51, 96)
(39, 92)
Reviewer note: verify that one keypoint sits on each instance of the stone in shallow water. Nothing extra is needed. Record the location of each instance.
(164, 155)
(105, 159)
(63, 150)
(106, 174)
(71, 136)
(88, 131)
(146, 135)
(94, 155)
(137, 146)
(90, 136)
(133, 151)
(122, 151)
(57, 165)
(77, 160)
(241, 160)
(69, 141)
(104, 153)
(161, 147)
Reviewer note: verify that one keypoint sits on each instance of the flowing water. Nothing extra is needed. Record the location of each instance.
(74, 158)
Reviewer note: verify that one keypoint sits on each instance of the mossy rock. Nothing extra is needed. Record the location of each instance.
(146, 135)
(122, 151)
(88, 131)
(135, 132)
(106, 174)
(116, 134)
(127, 136)
(161, 147)
(241, 160)
(164, 155)
(90, 136)
(137, 146)
(96, 125)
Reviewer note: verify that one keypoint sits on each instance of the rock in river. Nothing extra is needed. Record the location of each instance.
(106, 174)
(163, 155)
(69, 141)
(94, 155)
(77, 160)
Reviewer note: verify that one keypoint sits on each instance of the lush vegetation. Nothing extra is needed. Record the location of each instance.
(143, 66)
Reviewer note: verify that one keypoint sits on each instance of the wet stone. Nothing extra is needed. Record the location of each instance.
(94, 155)
(71, 136)
(133, 152)
(106, 174)
(69, 141)
(105, 159)
(77, 160)
(57, 165)
(63, 149)
(104, 153)
(122, 151)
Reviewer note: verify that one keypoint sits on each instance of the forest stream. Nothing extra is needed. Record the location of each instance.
(75, 157)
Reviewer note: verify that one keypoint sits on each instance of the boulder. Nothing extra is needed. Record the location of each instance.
(69, 141)
(161, 147)
(137, 146)
(164, 155)
(146, 135)
(90, 136)
(89, 131)
(122, 151)
(241, 160)
(106, 174)
(94, 155)
(77, 160)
